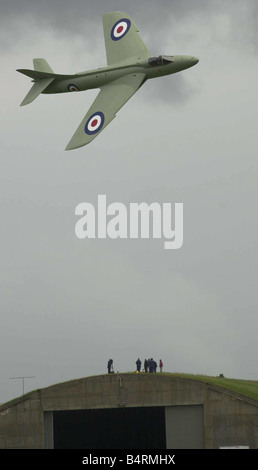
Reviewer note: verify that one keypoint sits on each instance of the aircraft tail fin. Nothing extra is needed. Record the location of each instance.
(42, 76)
(41, 65)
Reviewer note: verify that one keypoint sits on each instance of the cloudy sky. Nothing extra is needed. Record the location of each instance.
(68, 305)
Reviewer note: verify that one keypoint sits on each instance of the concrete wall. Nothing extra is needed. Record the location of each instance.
(229, 419)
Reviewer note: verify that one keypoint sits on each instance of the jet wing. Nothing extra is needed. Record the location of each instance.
(122, 39)
(103, 110)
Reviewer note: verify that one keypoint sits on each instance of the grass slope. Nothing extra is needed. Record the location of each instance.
(249, 388)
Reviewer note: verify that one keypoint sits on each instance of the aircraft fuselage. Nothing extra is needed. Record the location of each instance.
(99, 77)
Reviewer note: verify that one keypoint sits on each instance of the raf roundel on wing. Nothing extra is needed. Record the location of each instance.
(120, 29)
(94, 123)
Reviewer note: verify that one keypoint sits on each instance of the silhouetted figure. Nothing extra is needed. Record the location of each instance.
(138, 365)
(155, 365)
(110, 366)
(151, 366)
(160, 365)
(146, 365)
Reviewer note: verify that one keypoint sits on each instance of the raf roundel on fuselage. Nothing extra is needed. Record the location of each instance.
(73, 87)
(120, 29)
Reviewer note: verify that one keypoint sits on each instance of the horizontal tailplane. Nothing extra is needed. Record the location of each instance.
(35, 91)
(35, 74)
(42, 75)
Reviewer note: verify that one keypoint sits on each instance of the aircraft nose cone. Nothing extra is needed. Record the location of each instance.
(195, 60)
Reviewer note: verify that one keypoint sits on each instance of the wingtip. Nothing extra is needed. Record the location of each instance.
(70, 147)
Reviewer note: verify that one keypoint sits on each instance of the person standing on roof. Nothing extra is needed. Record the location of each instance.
(138, 365)
(151, 366)
(110, 366)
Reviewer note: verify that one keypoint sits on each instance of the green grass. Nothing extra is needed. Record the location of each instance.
(249, 388)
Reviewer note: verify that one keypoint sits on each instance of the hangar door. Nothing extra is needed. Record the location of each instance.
(185, 427)
(113, 428)
(173, 427)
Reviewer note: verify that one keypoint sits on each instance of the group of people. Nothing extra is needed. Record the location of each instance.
(149, 365)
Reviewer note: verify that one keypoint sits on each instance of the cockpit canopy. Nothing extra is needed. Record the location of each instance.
(160, 60)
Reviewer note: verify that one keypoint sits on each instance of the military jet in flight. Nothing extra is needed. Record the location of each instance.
(129, 65)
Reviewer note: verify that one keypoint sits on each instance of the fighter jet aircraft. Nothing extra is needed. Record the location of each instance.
(129, 65)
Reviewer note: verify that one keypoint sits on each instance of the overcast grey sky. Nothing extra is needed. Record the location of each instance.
(67, 305)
